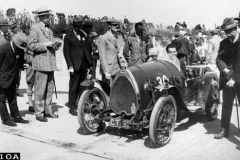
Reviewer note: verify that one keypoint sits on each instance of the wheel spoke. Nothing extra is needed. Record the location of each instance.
(165, 122)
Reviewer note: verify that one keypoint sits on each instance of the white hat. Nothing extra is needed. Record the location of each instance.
(43, 11)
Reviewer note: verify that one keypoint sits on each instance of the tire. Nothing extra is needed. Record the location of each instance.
(91, 104)
(213, 100)
(163, 117)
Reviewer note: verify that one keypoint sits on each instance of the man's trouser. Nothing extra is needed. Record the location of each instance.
(75, 90)
(9, 94)
(229, 94)
(43, 92)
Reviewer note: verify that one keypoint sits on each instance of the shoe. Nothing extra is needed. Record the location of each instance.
(221, 134)
(19, 94)
(9, 123)
(51, 115)
(20, 120)
(42, 119)
(73, 112)
(31, 109)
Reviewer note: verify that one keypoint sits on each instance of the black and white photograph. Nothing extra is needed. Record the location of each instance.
(119, 79)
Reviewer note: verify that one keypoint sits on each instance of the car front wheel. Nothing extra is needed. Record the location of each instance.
(162, 121)
(91, 104)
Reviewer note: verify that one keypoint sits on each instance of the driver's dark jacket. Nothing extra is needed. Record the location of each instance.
(228, 57)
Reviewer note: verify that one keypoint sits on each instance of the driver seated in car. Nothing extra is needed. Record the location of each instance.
(173, 55)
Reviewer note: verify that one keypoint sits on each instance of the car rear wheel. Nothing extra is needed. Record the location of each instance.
(212, 104)
(91, 104)
(162, 121)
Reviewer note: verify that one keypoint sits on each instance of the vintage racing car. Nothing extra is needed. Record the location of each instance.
(149, 95)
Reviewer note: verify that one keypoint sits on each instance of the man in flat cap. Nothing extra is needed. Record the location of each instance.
(3, 30)
(135, 48)
(108, 52)
(11, 58)
(228, 63)
(77, 52)
(13, 27)
(41, 42)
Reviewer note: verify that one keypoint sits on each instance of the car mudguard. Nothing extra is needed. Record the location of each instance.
(176, 93)
(96, 83)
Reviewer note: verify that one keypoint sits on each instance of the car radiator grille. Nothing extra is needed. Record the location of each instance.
(122, 96)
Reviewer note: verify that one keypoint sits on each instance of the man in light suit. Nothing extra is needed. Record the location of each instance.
(3, 30)
(136, 46)
(77, 52)
(108, 52)
(41, 43)
(213, 46)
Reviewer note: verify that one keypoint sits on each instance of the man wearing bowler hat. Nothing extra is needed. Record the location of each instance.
(41, 42)
(108, 52)
(77, 52)
(3, 30)
(228, 63)
(11, 58)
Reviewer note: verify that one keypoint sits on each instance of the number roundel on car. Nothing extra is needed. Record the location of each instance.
(163, 80)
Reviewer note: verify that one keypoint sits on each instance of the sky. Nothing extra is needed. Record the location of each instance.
(167, 12)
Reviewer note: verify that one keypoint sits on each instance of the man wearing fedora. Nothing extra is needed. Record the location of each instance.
(228, 63)
(136, 48)
(108, 52)
(77, 52)
(3, 30)
(41, 43)
(11, 58)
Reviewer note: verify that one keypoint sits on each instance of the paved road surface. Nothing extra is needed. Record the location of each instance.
(62, 138)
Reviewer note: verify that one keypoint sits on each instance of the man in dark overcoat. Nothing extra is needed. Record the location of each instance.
(228, 63)
(11, 58)
(77, 52)
(185, 48)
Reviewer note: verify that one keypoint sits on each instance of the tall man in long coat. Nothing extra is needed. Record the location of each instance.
(41, 42)
(228, 63)
(77, 52)
(136, 46)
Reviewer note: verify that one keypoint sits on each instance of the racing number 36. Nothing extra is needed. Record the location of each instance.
(163, 80)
